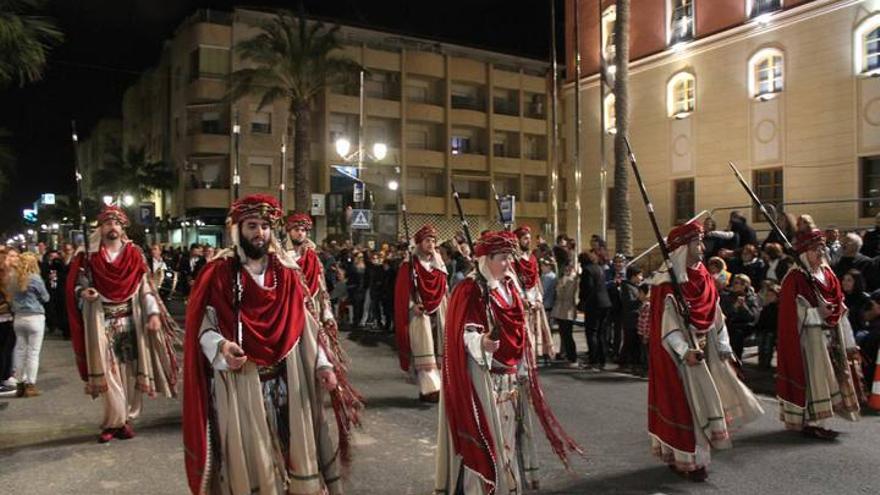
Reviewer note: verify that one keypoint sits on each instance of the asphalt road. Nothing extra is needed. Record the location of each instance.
(47, 444)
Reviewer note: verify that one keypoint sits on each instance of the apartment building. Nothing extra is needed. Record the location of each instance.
(786, 89)
(444, 113)
(99, 147)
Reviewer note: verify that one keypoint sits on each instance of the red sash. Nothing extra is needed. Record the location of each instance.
(527, 270)
(432, 289)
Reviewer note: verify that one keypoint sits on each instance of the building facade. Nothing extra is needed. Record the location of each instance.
(785, 89)
(446, 114)
(100, 147)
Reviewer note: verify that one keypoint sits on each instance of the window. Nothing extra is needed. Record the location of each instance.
(381, 85)
(506, 101)
(609, 17)
(465, 140)
(684, 200)
(472, 188)
(870, 171)
(425, 182)
(209, 62)
(610, 115)
(768, 188)
(758, 8)
(343, 125)
(765, 74)
(536, 188)
(535, 106)
(867, 43)
(535, 147)
(507, 185)
(206, 121)
(681, 22)
(506, 144)
(208, 173)
(260, 172)
(261, 123)
(468, 97)
(417, 139)
(416, 94)
(681, 95)
(424, 90)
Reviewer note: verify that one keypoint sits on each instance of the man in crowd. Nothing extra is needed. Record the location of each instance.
(253, 415)
(420, 313)
(189, 267)
(525, 265)
(123, 337)
(694, 395)
(491, 392)
(815, 344)
(871, 246)
(596, 304)
(851, 257)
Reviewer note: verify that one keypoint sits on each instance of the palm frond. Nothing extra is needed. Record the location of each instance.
(25, 41)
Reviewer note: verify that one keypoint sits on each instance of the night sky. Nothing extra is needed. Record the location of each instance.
(109, 42)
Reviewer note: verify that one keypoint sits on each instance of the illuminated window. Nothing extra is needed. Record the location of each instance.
(609, 16)
(681, 21)
(867, 43)
(610, 115)
(765, 73)
(681, 95)
(757, 8)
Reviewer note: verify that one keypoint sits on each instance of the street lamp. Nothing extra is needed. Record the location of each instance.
(393, 185)
(128, 199)
(108, 200)
(343, 146)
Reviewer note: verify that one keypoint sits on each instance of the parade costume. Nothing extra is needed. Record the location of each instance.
(691, 409)
(489, 401)
(420, 337)
(117, 357)
(814, 379)
(262, 428)
(525, 265)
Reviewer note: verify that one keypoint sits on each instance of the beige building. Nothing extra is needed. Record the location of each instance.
(444, 112)
(98, 148)
(786, 89)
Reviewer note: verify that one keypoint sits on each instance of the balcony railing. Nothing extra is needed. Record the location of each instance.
(506, 107)
(468, 103)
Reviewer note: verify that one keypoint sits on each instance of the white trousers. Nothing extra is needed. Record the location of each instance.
(29, 330)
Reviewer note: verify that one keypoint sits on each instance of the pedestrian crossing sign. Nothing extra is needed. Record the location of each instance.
(361, 219)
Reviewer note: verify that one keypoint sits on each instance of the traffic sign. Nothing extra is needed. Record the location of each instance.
(361, 219)
(358, 192)
(508, 209)
(147, 213)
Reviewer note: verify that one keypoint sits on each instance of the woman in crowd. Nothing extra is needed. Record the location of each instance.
(856, 299)
(565, 311)
(28, 295)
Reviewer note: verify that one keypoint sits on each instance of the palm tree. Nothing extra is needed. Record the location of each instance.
(7, 160)
(293, 60)
(622, 214)
(133, 174)
(25, 40)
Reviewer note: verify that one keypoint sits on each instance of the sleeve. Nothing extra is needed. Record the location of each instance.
(721, 234)
(723, 337)
(210, 340)
(41, 289)
(671, 329)
(323, 362)
(807, 314)
(473, 342)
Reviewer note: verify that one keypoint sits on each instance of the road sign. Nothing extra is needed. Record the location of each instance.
(508, 209)
(358, 192)
(147, 213)
(361, 219)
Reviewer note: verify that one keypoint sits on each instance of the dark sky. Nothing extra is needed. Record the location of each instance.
(108, 42)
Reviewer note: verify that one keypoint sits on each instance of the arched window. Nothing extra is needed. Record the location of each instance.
(610, 115)
(766, 74)
(681, 95)
(867, 45)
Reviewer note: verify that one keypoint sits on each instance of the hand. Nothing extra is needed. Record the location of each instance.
(90, 294)
(740, 301)
(488, 344)
(233, 354)
(419, 310)
(693, 358)
(854, 354)
(824, 309)
(154, 323)
(327, 378)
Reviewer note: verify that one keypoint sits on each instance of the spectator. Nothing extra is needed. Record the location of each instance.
(28, 293)
(871, 246)
(630, 304)
(462, 268)
(615, 274)
(857, 300)
(561, 253)
(740, 306)
(786, 223)
(548, 282)
(750, 264)
(868, 339)
(852, 258)
(765, 328)
(188, 268)
(7, 333)
(565, 311)
(644, 325)
(355, 277)
(805, 223)
(718, 269)
(389, 278)
(375, 283)
(777, 263)
(715, 240)
(744, 233)
(594, 301)
(832, 239)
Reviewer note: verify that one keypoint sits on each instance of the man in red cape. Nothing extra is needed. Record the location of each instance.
(694, 395)
(256, 370)
(526, 266)
(814, 345)
(491, 392)
(420, 313)
(121, 333)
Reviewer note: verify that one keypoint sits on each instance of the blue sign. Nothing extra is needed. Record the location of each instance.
(358, 193)
(361, 219)
(508, 209)
(147, 213)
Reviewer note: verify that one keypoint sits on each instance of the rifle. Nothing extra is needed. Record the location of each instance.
(282, 188)
(681, 303)
(236, 271)
(413, 279)
(83, 224)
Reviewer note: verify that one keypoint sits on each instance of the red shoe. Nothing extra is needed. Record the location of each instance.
(124, 433)
(106, 435)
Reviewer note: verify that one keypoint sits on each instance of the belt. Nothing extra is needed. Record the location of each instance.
(113, 311)
(270, 372)
(502, 370)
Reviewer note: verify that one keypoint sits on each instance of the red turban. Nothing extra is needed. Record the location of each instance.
(806, 241)
(299, 219)
(683, 235)
(522, 230)
(113, 213)
(495, 242)
(425, 232)
(260, 206)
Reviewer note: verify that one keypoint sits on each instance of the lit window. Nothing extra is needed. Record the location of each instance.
(757, 8)
(765, 74)
(681, 22)
(610, 115)
(261, 123)
(867, 43)
(609, 16)
(768, 185)
(681, 95)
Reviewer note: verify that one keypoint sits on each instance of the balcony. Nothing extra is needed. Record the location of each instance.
(504, 106)
(209, 144)
(205, 90)
(468, 103)
(476, 163)
(206, 198)
(427, 158)
(425, 112)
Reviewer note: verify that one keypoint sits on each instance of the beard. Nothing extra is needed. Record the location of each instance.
(254, 252)
(297, 242)
(524, 246)
(111, 236)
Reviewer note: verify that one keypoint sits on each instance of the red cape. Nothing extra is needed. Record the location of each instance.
(669, 415)
(117, 282)
(432, 288)
(312, 270)
(527, 270)
(790, 377)
(272, 321)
